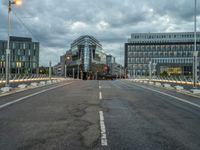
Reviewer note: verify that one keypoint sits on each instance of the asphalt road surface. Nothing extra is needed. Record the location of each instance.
(99, 115)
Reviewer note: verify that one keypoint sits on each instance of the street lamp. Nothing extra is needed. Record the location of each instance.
(195, 47)
(50, 72)
(125, 73)
(15, 2)
(66, 61)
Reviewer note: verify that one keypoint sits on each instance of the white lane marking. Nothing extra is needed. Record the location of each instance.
(103, 130)
(31, 95)
(99, 87)
(177, 98)
(100, 95)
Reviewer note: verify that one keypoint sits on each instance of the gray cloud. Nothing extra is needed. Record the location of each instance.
(55, 24)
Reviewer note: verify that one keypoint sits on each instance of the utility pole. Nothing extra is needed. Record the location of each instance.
(120, 73)
(150, 71)
(81, 75)
(195, 47)
(50, 70)
(65, 71)
(120, 61)
(78, 72)
(16, 2)
(8, 48)
(73, 73)
(125, 73)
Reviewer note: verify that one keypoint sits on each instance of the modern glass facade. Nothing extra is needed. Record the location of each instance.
(87, 50)
(162, 49)
(24, 55)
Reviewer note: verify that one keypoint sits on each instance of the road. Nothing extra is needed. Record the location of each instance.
(99, 115)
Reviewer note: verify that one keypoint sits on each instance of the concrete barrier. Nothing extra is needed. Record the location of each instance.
(49, 82)
(151, 83)
(195, 91)
(54, 81)
(158, 84)
(34, 84)
(42, 83)
(179, 87)
(22, 86)
(167, 85)
(5, 89)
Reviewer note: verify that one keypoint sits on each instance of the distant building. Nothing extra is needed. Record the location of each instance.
(86, 59)
(110, 60)
(118, 70)
(57, 69)
(24, 56)
(168, 52)
(65, 62)
(85, 52)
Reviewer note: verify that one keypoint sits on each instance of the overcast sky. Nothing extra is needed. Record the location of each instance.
(56, 23)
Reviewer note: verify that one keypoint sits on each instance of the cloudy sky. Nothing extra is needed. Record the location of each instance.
(56, 23)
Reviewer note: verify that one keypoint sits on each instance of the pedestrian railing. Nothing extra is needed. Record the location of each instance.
(169, 79)
(22, 78)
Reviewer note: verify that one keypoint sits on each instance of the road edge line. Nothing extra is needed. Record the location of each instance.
(31, 95)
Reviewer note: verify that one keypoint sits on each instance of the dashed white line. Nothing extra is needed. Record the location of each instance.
(99, 87)
(103, 130)
(31, 95)
(100, 95)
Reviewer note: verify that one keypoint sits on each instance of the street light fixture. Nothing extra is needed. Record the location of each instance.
(15, 2)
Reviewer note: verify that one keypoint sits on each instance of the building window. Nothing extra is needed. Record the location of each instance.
(18, 52)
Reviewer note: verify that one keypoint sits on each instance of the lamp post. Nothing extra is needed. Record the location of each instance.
(65, 71)
(15, 2)
(195, 47)
(81, 75)
(73, 73)
(125, 73)
(50, 73)
(78, 72)
(150, 70)
(67, 59)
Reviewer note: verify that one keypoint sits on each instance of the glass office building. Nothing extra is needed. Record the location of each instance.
(170, 52)
(87, 50)
(24, 56)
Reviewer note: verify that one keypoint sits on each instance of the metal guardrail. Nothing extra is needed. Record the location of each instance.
(21, 78)
(170, 79)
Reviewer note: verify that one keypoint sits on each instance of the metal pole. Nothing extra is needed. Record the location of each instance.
(195, 48)
(125, 73)
(65, 71)
(8, 48)
(73, 73)
(120, 73)
(78, 72)
(49, 70)
(150, 71)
